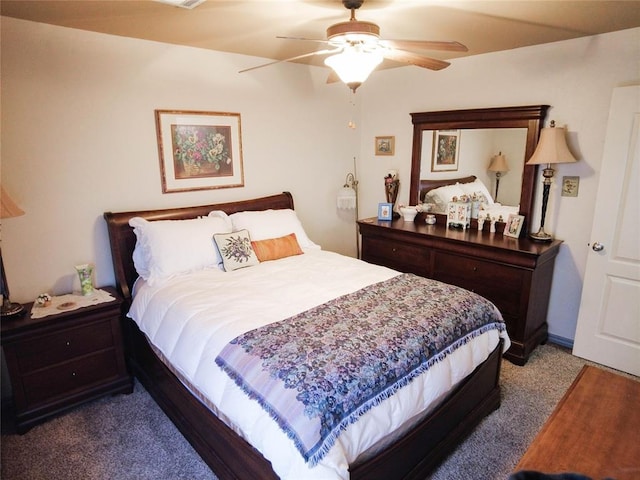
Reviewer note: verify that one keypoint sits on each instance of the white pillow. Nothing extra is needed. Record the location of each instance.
(165, 248)
(441, 196)
(477, 188)
(223, 215)
(266, 224)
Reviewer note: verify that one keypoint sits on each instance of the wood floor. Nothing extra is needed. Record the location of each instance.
(594, 430)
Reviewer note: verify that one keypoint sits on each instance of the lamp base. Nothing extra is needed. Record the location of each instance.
(540, 236)
(12, 310)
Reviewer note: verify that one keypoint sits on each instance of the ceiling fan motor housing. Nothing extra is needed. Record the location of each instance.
(353, 27)
(352, 4)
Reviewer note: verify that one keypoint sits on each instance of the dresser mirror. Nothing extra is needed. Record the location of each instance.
(477, 136)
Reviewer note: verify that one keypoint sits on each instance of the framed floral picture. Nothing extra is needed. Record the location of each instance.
(199, 150)
(513, 226)
(446, 148)
(385, 145)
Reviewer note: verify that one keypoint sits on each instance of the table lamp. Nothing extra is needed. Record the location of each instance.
(499, 165)
(8, 209)
(552, 148)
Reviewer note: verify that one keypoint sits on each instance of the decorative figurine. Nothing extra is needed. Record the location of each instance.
(43, 300)
(391, 186)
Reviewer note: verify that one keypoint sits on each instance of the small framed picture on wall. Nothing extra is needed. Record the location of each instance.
(385, 211)
(385, 145)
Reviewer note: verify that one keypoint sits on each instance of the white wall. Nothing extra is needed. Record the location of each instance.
(575, 77)
(78, 137)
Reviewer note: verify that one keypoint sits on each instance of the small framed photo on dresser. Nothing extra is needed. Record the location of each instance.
(513, 226)
(385, 211)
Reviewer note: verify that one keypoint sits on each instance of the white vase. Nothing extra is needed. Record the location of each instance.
(409, 213)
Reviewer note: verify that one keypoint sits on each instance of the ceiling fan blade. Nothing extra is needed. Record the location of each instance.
(290, 59)
(414, 59)
(426, 45)
(317, 40)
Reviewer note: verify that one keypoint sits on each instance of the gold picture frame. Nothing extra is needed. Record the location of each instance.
(385, 145)
(199, 150)
(446, 149)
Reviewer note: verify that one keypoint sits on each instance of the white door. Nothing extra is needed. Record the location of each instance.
(608, 330)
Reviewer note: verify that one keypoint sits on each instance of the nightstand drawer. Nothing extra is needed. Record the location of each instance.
(501, 284)
(67, 344)
(67, 377)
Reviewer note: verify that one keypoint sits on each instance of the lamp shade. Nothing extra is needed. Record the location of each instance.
(8, 207)
(9, 309)
(353, 66)
(498, 164)
(552, 147)
(346, 199)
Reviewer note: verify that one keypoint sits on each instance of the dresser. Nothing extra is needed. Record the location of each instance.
(515, 274)
(59, 361)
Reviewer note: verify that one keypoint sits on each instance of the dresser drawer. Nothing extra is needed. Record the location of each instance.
(67, 377)
(404, 257)
(63, 345)
(501, 284)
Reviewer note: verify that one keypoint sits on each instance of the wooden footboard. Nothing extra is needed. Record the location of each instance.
(231, 457)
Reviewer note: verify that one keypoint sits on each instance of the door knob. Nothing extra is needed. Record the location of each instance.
(597, 247)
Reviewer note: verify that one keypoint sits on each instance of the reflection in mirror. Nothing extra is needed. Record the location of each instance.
(481, 134)
(477, 147)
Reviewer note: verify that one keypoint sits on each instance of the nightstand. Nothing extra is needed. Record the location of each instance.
(60, 361)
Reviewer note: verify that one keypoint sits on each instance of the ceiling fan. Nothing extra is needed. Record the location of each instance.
(356, 49)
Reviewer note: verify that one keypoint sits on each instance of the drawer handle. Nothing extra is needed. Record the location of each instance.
(73, 374)
(475, 269)
(68, 343)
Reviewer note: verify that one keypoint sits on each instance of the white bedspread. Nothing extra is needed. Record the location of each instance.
(191, 318)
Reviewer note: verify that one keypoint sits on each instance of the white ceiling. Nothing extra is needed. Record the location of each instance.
(251, 27)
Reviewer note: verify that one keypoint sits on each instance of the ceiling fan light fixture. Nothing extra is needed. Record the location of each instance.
(354, 66)
(363, 39)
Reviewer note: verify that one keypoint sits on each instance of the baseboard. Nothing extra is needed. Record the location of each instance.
(563, 342)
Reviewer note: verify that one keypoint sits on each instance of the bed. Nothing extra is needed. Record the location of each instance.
(415, 446)
(438, 193)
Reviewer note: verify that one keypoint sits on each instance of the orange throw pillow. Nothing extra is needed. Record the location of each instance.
(275, 248)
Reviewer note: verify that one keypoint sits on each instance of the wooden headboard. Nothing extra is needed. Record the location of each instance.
(123, 240)
(426, 185)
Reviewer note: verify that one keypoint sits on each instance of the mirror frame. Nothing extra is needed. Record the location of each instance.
(530, 117)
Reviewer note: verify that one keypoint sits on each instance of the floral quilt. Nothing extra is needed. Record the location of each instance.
(317, 372)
